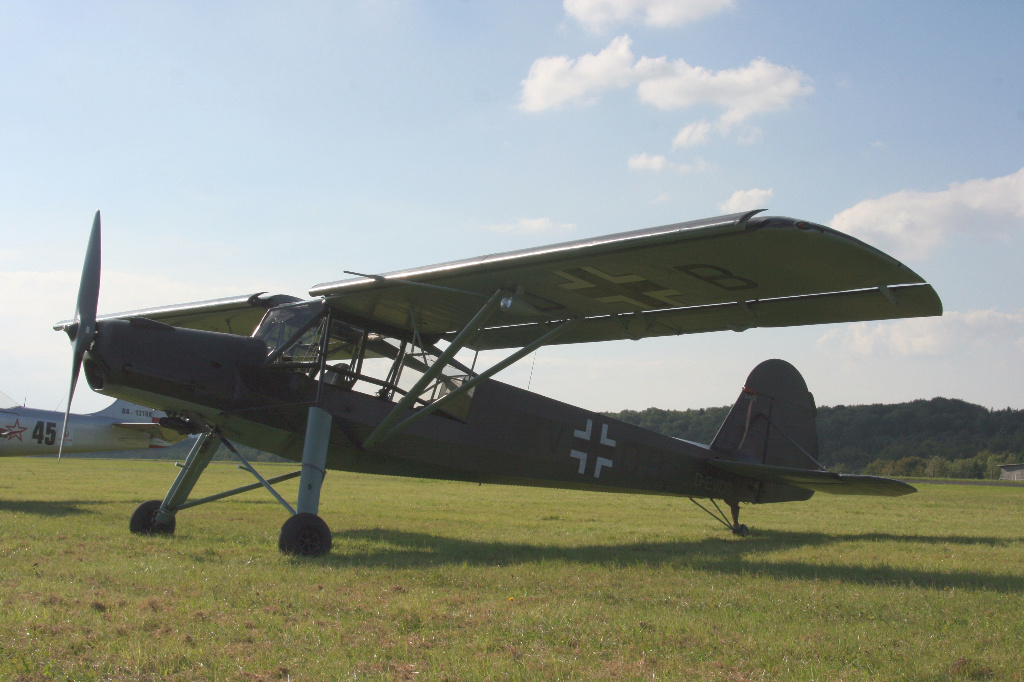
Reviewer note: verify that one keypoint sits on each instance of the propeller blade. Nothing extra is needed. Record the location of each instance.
(85, 316)
(89, 287)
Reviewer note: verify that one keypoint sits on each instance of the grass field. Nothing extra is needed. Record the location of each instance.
(436, 580)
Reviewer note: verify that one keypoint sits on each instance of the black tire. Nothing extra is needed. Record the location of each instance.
(144, 520)
(305, 535)
(741, 530)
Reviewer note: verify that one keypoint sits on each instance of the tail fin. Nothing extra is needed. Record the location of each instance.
(772, 422)
(770, 436)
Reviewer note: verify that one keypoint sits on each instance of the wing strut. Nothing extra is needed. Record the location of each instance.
(488, 373)
(500, 299)
(458, 343)
(266, 484)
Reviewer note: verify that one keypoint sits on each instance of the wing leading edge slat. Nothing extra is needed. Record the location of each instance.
(848, 306)
(233, 315)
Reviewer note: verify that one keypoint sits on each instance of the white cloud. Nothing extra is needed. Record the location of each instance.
(646, 162)
(748, 135)
(699, 133)
(746, 200)
(911, 224)
(694, 134)
(556, 81)
(952, 334)
(532, 226)
(599, 14)
(657, 163)
(759, 87)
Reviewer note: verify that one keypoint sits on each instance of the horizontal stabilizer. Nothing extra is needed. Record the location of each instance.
(818, 481)
(152, 430)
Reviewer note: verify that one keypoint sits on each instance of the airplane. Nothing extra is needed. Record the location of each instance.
(26, 431)
(363, 375)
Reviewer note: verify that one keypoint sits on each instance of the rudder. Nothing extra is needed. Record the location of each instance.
(772, 422)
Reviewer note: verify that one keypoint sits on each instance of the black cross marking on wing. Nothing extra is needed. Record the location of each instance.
(642, 293)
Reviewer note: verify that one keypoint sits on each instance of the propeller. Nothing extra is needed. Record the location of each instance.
(85, 316)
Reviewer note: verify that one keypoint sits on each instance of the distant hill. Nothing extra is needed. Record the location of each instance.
(940, 437)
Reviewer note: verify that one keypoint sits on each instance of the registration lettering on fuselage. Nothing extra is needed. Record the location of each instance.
(710, 483)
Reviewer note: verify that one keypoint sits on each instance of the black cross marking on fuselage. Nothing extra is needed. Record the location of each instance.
(586, 434)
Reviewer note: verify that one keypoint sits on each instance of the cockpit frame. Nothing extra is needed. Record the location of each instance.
(307, 337)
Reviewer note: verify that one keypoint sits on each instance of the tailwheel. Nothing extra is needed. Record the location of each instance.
(147, 520)
(305, 535)
(738, 528)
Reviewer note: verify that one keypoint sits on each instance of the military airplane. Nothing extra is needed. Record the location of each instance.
(363, 376)
(26, 431)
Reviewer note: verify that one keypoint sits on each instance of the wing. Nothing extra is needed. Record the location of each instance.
(236, 315)
(819, 481)
(732, 272)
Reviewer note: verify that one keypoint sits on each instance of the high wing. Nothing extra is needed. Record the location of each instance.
(819, 481)
(733, 272)
(234, 315)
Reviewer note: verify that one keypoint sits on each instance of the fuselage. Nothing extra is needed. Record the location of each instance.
(25, 431)
(499, 433)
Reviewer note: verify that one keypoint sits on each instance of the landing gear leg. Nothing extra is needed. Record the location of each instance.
(737, 527)
(305, 533)
(157, 517)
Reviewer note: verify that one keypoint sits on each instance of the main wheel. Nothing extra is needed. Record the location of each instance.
(741, 530)
(144, 520)
(306, 535)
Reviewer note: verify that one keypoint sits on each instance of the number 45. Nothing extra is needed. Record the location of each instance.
(50, 435)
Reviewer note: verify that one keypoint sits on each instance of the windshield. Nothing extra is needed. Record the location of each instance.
(281, 325)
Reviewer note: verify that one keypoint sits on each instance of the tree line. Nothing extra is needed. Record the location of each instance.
(938, 438)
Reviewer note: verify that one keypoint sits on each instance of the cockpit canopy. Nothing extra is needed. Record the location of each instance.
(305, 337)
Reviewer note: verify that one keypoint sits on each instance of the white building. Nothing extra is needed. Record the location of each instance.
(1011, 472)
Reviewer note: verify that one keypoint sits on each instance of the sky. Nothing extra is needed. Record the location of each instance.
(238, 147)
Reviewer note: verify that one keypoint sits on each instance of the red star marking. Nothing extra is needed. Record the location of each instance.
(12, 432)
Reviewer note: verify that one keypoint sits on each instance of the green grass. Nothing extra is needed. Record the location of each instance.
(436, 580)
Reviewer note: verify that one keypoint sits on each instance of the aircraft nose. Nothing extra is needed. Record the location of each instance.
(128, 356)
(93, 374)
(107, 351)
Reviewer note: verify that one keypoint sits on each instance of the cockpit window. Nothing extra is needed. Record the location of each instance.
(285, 326)
(344, 356)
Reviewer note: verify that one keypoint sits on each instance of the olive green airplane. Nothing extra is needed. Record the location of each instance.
(363, 376)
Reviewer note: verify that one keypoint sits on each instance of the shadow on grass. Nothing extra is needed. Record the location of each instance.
(46, 508)
(398, 549)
